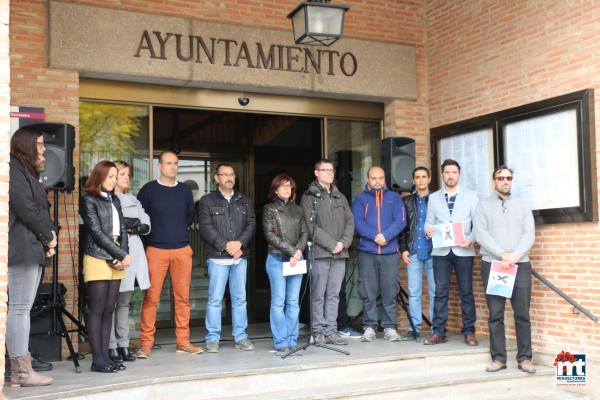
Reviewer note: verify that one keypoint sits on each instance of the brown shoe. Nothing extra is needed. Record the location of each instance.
(189, 348)
(495, 366)
(24, 375)
(144, 352)
(436, 338)
(471, 340)
(527, 366)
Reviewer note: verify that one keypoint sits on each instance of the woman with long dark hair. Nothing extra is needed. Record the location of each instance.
(105, 259)
(286, 234)
(137, 223)
(31, 243)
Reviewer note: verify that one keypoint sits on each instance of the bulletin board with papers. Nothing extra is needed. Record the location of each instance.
(548, 145)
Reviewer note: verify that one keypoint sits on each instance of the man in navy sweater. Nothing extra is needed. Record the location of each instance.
(170, 206)
(379, 217)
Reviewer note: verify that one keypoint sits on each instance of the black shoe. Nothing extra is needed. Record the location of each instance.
(410, 335)
(107, 369)
(125, 354)
(38, 365)
(114, 355)
(117, 365)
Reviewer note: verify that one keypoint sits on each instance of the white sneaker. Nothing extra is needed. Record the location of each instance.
(390, 334)
(369, 335)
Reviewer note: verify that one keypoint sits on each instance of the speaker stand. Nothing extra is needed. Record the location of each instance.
(58, 304)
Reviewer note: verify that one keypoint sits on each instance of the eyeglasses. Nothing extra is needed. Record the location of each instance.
(227, 175)
(286, 186)
(328, 170)
(504, 178)
(39, 143)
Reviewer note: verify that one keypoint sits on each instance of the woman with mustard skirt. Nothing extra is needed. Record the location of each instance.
(105, 259)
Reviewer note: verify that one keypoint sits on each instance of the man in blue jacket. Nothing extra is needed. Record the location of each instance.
(379, 217)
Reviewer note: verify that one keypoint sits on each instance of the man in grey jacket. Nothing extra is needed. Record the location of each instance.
(334, 230)
(505, 229)
(449, 205)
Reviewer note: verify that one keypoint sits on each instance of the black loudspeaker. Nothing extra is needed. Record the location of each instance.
(59, 140)
(42, 340)
(398, 161)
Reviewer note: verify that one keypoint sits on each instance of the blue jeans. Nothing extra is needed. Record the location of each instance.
(442, 270)
(414, 272)
(218, 276)
(285, 291)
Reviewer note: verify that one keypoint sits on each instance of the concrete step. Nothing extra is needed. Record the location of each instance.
(475, 384)
(380, 370)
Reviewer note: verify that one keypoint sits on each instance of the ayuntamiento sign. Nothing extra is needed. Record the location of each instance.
(122, 45)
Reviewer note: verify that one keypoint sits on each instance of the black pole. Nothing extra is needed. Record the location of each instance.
(310, 260)
(58, 303)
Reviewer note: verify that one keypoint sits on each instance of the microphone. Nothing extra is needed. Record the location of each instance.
(314, 192)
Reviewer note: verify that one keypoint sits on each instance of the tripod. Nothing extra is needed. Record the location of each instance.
(401, 299)
(57, 302)
(310, 261)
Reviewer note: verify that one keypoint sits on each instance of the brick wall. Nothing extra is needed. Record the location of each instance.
(487, 56)
(473, 57)
(4, 151)
(34, 84)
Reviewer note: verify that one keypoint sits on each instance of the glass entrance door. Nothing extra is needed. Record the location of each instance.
(197, 173)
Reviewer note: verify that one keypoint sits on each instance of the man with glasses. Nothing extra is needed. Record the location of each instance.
(170, 206)
(227, 225)
(452, 204)
(505, 229)
(334, 230)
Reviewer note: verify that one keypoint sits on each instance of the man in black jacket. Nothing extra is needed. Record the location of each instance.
(227, 225)
(416, 251)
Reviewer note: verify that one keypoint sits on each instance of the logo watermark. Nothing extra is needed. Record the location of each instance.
(570, 368)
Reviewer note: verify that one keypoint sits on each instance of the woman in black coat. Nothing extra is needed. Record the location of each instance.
(31, 243)
(105, 259)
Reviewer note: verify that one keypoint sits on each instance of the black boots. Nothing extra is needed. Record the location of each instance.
(120, 354)
(125, 354)
(38, 365)
(114, 355)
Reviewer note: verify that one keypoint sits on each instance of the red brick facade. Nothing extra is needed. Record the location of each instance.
(473, 58)
(489, 56)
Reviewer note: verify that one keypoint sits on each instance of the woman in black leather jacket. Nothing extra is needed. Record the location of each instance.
(286, 233)
(105, 259)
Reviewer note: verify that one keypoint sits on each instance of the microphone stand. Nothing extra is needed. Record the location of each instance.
(310, 260)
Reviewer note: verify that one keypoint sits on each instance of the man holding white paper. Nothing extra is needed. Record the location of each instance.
(452, 205)
(379, 217)
(505, 229)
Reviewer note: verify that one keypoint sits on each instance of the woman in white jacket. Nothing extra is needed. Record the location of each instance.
(137, 223)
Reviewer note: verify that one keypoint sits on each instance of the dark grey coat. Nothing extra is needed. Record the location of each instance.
(29, 224)
(335, 222)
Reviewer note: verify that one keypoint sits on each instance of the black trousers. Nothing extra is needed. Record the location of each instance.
(520, 301)
(442, 270)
